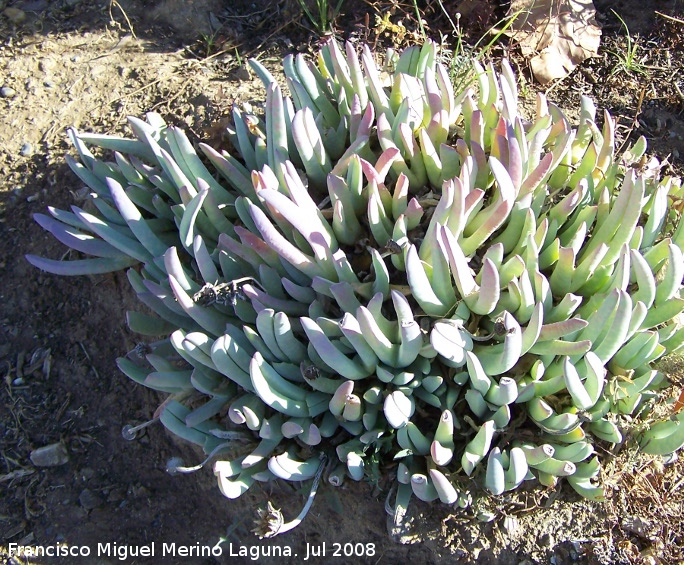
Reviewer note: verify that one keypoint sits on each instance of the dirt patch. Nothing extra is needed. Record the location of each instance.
(89, 65)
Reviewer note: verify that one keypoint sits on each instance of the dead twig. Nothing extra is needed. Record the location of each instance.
(33, 508)
(635, 121)
(63, 407)
(111, 16)
(85, 352)
(18, 474)
(670, 18)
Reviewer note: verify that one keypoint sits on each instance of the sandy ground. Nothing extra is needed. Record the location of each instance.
(89, 65)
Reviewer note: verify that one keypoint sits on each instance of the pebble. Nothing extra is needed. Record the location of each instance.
(15, 15)
(26, 150)
(52, 455)
(139, 491)
(7, 92)
(46, 65)
(546, 540)
(243, 73)
(87, 473)
(511, 524)
(89, 499)
(116, 496)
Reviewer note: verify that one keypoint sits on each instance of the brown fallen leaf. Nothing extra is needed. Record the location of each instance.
(555, 35)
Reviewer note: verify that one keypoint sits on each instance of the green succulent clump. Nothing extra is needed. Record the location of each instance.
(387, 270)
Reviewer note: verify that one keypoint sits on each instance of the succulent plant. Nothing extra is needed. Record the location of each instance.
(387, 275)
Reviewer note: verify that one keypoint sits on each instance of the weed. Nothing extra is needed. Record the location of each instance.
(323, 15)
(419, 17)
(208, 43)
(463, 54)
(628, 60)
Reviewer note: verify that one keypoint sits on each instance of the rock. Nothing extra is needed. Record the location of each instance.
(46, 65)
(26, 150)
(139, 491)
(52, 455)
(87, 473)
(116, 496)
(15, 15)
(243, 73)
(7, 92)
(546, 540)
(89, 499)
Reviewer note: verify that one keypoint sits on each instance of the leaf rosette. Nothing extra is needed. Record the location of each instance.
(388, 269)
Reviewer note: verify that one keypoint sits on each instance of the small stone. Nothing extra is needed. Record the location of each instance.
(89, 499)
(26, 150)
(116, 496)
(138, 492)
(87, 473)
(15, 15)
(243, 73)
(511, 524)
(52, 455)
(546, 540)
(7, 92)
(485, 516)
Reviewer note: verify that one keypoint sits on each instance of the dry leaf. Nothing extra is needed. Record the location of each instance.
(556, 35)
